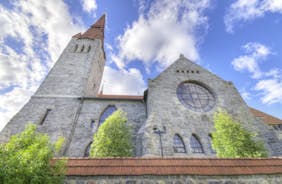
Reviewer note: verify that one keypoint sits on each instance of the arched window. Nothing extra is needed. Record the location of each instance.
(196, 145)
(75, 48)
(82, 48)
(89, 48)
(178, 144)
(210, 144)
(87, 150)
(106, 113)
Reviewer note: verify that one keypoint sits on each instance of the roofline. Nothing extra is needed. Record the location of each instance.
(114, 97)
(267, 118)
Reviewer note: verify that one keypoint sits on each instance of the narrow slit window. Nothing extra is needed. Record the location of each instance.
(89, 48)
(92, 124)
(45, 116)
(196, 145)
(178, 144)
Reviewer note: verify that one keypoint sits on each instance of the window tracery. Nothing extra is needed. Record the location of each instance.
(178, 144)
(195, 144)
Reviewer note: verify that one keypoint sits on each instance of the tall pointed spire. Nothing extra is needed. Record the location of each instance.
(96, 31)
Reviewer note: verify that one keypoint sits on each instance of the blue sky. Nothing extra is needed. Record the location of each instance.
(238, 40)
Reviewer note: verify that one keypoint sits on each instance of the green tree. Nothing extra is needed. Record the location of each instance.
(26, 159)
(231, 140)
(113, 138)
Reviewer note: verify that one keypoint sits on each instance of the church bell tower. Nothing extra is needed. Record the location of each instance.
(56, 105)
(79, 69)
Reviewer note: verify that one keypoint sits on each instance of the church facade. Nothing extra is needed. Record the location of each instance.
(174, 117)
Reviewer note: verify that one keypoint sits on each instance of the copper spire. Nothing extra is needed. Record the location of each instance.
(96, 31)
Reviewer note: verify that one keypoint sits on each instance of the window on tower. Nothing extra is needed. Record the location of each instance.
(43, 119)
(106, 113)
(89, 48)
(178, 144)
(195, 144)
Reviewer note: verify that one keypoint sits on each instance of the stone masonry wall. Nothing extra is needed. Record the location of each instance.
(177, 179)
(91, 110)
(57, 123)
(165, 109)
(76, 71)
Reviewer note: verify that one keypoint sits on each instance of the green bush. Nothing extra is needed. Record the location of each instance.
(231, 140)
(113, 138)
(26, 159)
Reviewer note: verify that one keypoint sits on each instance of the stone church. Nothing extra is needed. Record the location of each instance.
(174, 117)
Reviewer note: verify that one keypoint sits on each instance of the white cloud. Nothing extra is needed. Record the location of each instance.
(268, 83)
(13, 102)
(246, 10)
(245, 94)
(121, 81)
(249, 62)
(89, 6)
(160, 34)
(42, 31)
(271, 90)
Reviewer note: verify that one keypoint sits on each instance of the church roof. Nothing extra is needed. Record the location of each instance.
(120, 97)
(96, 31)
(268, 119)
(172, 166)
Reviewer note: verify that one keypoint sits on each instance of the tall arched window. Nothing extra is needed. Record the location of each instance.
(87, 150)
(178, 144)
(210, 144)
(195, 144)
(106, 113)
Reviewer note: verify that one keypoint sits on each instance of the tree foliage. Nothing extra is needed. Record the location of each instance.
(26, 159)
(231, 140)
(113, 138)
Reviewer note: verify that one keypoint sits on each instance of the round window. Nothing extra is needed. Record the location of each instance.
(195, 96)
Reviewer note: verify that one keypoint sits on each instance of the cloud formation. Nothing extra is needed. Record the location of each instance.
(268, 83)
(33, 34)
(123, 82)
(255, 52)
(89, 6)
(247, 10)
(162, 32)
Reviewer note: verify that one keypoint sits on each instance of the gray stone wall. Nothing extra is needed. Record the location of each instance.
(75, 73)
(92, 110)
(57, 123)
(176, 179)
(165, 109)
(271, 137)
